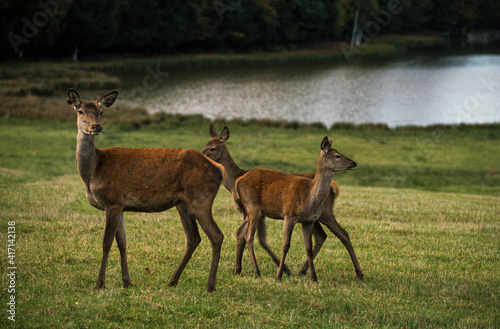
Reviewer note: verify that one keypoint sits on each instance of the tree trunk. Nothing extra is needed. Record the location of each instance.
(355, 28)
(75, 54)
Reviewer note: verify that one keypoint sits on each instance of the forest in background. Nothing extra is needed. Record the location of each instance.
(82, 29)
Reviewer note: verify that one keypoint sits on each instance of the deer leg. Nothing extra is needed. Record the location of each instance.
(262, 236)
(193, 239)
(240, 246)
(307, 229)
(113, 215)
(288, 230)
(121, 240)
(249, 238)
(343, 236)
(319, 239)
(216, 238)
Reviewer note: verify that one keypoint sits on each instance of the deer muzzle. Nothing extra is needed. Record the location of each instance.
(96, 129)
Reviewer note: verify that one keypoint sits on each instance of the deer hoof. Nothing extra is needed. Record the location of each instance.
(99, 285)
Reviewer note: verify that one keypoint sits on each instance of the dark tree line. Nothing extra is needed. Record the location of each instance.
(66, 28)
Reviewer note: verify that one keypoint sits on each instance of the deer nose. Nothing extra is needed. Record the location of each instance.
(353, 165)
(97, 128)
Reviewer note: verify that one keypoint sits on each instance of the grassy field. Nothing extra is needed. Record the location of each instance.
(422, 210)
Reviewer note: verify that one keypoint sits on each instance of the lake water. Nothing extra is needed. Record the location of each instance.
(420, 89)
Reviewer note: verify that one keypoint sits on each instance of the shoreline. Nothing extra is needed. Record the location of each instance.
(32, 90)
(383, 46)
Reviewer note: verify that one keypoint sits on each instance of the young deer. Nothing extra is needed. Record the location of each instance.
(271, 193)
(121, 179)
(216, 149)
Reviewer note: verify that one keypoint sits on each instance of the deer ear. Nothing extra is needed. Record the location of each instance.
(212, 131)
(325, 145)
(107, 100)
(73, 98)
(224, 135)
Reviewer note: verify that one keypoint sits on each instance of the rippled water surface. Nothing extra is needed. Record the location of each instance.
(420, 90)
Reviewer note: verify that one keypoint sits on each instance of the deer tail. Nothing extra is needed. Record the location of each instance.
(237, 200)
(334, 187)
(220, 167)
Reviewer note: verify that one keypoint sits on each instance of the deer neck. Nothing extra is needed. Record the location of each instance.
(86, 161)
(321, 185)
(233, 171)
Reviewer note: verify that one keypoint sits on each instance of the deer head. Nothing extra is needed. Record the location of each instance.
(89, 113)
(216, 148)
(333, 159)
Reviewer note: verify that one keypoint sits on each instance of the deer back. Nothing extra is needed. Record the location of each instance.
(275, 193)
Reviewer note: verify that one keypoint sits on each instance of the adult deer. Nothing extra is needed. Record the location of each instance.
(217, 150)
(271, 193)
(121, 179)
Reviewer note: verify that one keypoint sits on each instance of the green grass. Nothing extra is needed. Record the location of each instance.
(421, 208)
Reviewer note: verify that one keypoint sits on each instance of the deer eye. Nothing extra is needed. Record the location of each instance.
(337, 156)
(80, 112)
(212, 149)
